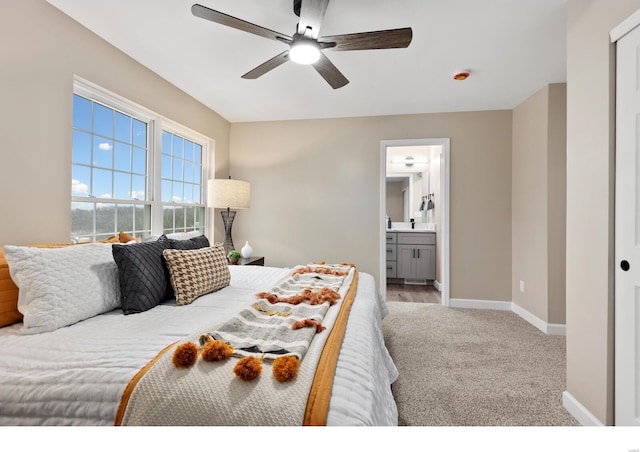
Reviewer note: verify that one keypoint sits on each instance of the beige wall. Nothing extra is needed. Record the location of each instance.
(42, 49)
(590, 201)
(538, 204)
(316, 192)
(557, 203)
(529, 204)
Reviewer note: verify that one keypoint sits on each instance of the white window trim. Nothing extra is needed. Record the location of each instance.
(157, 123)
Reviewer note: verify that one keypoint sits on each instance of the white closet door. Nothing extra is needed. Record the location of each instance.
(627, 275)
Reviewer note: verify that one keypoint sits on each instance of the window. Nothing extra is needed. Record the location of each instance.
(181, 183)
(117, 149)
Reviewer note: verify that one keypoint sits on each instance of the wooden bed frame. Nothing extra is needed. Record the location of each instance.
(8, 295)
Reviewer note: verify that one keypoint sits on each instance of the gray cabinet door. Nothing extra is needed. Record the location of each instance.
(416, 262)
(416, 256)
(425, 262)
(406, 261)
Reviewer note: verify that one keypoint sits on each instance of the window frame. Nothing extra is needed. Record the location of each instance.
(156, 123)
(175, 129)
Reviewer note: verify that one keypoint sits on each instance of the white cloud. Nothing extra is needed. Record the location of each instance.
(105, 146)
(105, 196)
(138, 194)
(78, 188)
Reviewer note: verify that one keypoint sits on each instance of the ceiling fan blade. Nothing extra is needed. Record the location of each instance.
(311, 16)
(267, 66)
(239, 24)
(382, 39)
(329, 72)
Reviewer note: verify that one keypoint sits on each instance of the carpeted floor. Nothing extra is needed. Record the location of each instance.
(471, 367)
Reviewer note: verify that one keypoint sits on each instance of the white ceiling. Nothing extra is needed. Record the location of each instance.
(512, 48)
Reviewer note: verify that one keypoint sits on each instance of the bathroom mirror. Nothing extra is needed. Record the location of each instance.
(407, 178)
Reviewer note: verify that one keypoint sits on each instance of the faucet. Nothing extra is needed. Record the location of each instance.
(413, 223)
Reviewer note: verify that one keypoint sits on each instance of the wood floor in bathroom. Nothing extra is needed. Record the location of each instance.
(413, 293)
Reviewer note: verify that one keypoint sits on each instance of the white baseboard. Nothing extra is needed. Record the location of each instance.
(547, 328)
(479, 304)
(578, 411)
(437, 285)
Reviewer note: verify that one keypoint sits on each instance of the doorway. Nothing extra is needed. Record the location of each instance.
(429, 183)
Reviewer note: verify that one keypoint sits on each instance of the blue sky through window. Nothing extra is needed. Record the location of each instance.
(181, 169)
(109, 152)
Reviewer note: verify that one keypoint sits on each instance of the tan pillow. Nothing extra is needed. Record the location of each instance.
(197, 272)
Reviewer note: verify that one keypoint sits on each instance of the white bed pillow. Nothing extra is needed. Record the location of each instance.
(62, 286)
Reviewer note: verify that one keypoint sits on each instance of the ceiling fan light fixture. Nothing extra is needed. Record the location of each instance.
(304, 52)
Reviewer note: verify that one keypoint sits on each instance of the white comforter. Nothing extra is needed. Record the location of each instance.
(76, 375)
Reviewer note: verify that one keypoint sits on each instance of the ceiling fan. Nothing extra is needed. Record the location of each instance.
(306, 45)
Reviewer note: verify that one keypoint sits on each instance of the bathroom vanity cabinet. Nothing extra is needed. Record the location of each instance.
(411, 255)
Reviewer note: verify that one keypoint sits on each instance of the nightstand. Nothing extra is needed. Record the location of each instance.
(253, 260)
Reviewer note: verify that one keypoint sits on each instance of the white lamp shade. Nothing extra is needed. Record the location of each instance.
(228, 193)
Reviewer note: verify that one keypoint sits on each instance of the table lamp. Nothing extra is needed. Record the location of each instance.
(228, 194)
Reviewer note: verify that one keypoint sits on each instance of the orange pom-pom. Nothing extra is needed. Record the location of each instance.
(185, 355)
(248, 368)
(306, 323)
(271, 298)
(216, 351)
(285, 368)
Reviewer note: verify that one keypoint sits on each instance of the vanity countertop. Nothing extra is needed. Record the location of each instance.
(406, 227)
(410, 230)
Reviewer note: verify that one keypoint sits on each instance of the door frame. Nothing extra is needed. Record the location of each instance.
(444, 229)
(625, 398)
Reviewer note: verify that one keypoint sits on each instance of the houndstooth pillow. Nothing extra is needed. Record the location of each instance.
(197, 272)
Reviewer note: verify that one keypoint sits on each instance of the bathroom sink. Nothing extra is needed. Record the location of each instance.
(429, 227)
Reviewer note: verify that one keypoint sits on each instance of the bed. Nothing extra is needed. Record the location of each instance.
(88, 367)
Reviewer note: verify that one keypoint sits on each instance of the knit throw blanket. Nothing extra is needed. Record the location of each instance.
(258, 330)
(316, 297)
(268, 329)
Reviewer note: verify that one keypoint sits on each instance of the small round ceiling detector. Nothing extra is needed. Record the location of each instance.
(462, 75)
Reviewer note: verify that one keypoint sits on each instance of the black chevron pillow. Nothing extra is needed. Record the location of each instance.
(193, 243)
(144, 279)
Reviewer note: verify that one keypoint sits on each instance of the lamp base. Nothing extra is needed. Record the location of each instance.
(227, 218)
